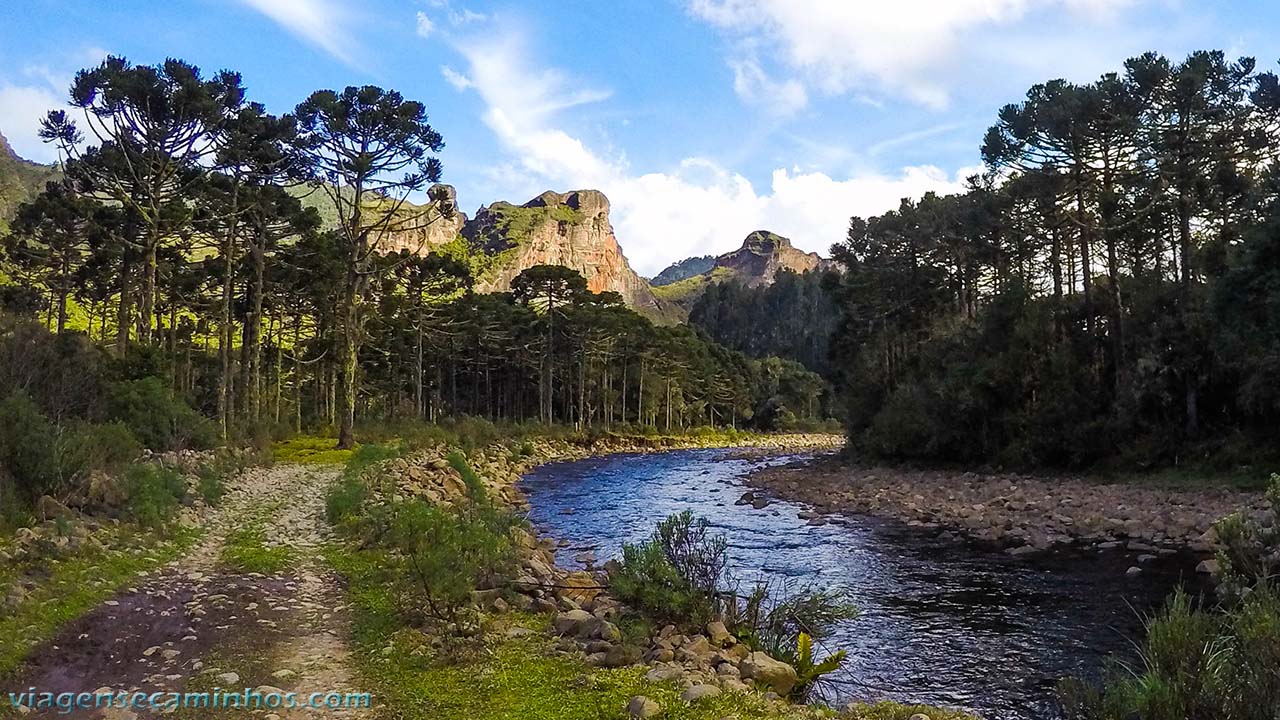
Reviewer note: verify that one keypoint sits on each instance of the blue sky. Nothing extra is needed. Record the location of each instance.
(701, 119)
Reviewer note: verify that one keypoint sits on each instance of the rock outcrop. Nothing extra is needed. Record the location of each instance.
(570, 229)
(427, 226)
(763, 255)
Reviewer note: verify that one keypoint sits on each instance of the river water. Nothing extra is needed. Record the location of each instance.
(941, 623)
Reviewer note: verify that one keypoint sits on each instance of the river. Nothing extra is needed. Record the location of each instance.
(941, 623)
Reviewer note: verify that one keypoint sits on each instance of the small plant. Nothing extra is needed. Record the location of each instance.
(808, 668)
(446, 555)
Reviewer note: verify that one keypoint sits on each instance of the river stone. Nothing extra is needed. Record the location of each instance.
(760, 503)
(718, 633)
(699, 692)
(777, 676)
(642, 707)
(664, 673)
(919, 716)
(1209, 567)
(572, 622)
(621, 656)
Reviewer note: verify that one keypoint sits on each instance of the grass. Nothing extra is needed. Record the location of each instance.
(309, 450)
(246, 551)
(75, 585)
(896, 711)
(507, 679)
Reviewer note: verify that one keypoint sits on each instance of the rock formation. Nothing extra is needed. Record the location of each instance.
(570, 229)
(763, 255)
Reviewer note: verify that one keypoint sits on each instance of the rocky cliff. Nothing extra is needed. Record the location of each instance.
(570, 229)
(763, 255)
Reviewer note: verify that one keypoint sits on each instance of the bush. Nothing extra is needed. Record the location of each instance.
(106, 448)
(677, 574)
(154, 493)
(29, 448)
(1201, 663)
(447, 555)
(160, 420)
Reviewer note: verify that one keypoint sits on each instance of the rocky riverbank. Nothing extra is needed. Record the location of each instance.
(1022, 513)
(586, 623)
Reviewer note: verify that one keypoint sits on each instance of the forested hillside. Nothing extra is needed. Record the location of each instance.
(20, 181)
(791, 318)
(1109, 291)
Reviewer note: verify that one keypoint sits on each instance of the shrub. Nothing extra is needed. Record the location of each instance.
(106, 448)
(160, 420)
(675, 575)
(1249, 552)
(447, 555)
(154, 493)
(29, 448)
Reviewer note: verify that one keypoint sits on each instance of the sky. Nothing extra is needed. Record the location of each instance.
(701, 120)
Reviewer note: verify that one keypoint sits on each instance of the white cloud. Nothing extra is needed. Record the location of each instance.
(903, 47)
(425, 26)
(21, 109)
(695, 208)
(459, 81)
(458, 16)
(319, 22)
(753, 85)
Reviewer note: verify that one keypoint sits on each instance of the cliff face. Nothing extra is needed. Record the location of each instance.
(762, 255)
(570, 229)
(427, 226)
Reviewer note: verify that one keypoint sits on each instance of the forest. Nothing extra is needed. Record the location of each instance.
(1106, 293)
(218, 268)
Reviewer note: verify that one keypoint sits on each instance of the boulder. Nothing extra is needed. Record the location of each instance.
(642, 707)
(773, 674)
(1209, 567)
(572, 622)
(718, 634)
(621, 656)
(49, 509)
(697, 693)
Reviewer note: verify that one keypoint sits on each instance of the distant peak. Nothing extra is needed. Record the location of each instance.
(590, 202)
(765, 242)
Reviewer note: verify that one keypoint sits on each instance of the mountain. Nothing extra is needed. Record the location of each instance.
(686, 268)
(570, 229)
(762, 256)
(20, 180)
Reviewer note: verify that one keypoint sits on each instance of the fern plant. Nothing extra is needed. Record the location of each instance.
(808, 669)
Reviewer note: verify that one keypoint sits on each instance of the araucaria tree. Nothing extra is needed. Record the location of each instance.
(367, 149)
(1071, 308)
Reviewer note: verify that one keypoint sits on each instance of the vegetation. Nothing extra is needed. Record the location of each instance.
(680, 575)
(1205, 662)
(1107, 293)
(791, 318)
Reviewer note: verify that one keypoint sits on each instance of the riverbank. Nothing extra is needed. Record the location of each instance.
(1021, 513)
(555, 644)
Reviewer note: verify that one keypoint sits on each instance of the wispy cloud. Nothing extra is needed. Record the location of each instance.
(910, 137)
(905, 48)
(695, 207)
(322, 23)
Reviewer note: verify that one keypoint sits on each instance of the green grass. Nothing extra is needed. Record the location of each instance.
(896, 711)
(309, 450)
(246, 551)
(506, 679)
(73, 586)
